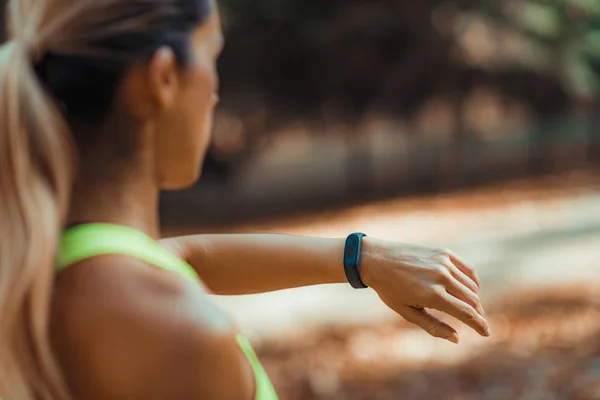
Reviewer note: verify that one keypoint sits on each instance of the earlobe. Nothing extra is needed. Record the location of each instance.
(163, 77)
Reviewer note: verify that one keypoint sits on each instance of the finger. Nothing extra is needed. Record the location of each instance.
(461, 311)
(461, 292)
(429, 323)
(463, 278)
(465, 267)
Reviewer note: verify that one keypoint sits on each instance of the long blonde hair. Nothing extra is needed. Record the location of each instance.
(36, 155)
(35, 176)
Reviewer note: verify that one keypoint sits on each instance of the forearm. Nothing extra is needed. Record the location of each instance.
(245, 263)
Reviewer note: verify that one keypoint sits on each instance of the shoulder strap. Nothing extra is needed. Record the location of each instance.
(264, 387)
(90, 240)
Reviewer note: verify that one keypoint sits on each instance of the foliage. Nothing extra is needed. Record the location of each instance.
(563, 34)
(340, 58)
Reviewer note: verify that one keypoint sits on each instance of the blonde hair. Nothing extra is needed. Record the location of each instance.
(36, 159)
(35, 176)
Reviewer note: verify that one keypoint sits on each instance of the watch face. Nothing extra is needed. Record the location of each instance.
(351, 248)
(351, 251)
(351, 260)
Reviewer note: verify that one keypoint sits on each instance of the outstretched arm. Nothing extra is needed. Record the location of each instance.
(409, 278)
(248, 264)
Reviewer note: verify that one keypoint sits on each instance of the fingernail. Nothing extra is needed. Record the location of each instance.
(488, 331)
(453, 339)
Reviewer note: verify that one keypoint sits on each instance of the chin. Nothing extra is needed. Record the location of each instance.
(182, 181)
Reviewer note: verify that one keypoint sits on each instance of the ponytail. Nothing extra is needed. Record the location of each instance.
(35, 180)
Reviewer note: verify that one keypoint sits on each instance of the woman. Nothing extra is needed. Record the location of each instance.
(102, 104)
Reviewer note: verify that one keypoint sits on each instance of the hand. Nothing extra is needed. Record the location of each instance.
(410, 278)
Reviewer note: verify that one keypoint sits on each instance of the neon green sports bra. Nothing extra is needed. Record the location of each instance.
(89, 240)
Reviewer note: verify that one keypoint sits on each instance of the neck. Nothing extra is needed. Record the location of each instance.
(131, 203)
(111, 188)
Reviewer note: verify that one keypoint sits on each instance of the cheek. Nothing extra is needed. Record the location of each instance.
(203, 102)
(207, 81)
(206, 92)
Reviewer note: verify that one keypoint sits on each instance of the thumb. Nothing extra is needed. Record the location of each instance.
(429, 323)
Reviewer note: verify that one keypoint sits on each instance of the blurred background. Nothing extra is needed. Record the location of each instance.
(469, 124)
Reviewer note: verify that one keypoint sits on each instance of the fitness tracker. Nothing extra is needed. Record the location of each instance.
(352, 260)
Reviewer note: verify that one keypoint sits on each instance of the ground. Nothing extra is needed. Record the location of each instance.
(545, 346)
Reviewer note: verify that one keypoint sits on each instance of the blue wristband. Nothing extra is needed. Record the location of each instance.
(352, 250)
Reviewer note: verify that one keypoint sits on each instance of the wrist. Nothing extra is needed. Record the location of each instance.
(333, 271)
(367, 263)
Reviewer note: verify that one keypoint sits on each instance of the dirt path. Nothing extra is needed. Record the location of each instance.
(545, 346)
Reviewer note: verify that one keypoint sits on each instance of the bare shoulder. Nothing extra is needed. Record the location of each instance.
(123, 330)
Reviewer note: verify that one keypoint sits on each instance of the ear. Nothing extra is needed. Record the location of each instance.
(163, 78)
